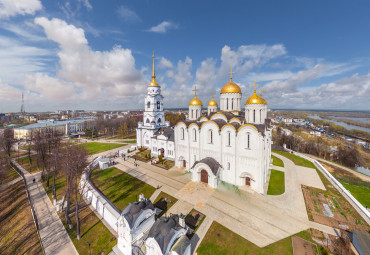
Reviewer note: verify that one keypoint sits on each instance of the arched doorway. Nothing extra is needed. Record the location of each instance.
(161, 152)
(247, 181)
(204, 176)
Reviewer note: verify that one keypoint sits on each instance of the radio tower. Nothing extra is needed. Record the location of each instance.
(22, 107)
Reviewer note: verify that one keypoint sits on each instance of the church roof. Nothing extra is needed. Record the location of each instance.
(211, 162)
(163, 230)
(181, 245)
(167, 132)
(136, 209)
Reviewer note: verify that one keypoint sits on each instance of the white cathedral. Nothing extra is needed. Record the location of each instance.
(228, 144)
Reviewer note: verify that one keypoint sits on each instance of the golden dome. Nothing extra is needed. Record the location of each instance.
(153, 82)
(212, 102)
(255, 99)
(195, 101)
(231, 87)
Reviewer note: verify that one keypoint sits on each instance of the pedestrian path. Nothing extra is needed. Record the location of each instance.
(54, 237)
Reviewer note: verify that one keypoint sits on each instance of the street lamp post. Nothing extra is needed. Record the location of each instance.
(89, 244)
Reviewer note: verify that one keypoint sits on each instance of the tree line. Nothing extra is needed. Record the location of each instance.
(347, 155)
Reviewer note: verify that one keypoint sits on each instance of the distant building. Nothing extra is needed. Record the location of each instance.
(65, 127)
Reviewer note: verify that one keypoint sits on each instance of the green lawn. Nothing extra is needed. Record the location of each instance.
(60, 186)
(276, 161)
(362, 194)
(95, 147)
(10, 175)
(92, 230)
(131, 141)
(276, 184)
(119, 187)
(297, 160)
(168, 199)
(26, 163)
(219, 240)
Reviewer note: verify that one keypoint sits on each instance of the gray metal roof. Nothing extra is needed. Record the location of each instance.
(164, 229)
(55, 123)
(167, 132)
(181, 244)
(136, 209)
(211, 162)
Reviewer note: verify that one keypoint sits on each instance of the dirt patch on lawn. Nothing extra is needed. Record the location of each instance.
(332, 210)
(301, 246)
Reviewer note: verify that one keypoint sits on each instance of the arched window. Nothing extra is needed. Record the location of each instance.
(260, 115)
(159, 121)
(229, 138)
(227, 104)
(195, 134)
(158, 105)
(228, 165)
(254, 116)
(210, 136)
(182, 134)
(232, 104)
(147, 121)
(148, 105)
(248, 140)
(192, 114)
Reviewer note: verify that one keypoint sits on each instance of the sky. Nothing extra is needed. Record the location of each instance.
(97, 55)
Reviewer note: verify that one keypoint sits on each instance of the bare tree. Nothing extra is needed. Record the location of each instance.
(7, 141)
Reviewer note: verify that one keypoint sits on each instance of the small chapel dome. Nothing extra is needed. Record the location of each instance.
(195, 101)
(255, 99)
(212, 102)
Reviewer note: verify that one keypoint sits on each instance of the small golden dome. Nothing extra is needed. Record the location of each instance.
(231, 87)
(212, 102)
(195, 101)
(255, 99)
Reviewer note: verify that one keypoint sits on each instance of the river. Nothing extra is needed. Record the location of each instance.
(347, 126)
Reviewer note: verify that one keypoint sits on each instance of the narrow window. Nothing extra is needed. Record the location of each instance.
(182, 134)
(159, 121)
(192, 114)
(147, 120)
(148, 105)
(248, 140)
(195, 134)
(254, 116)
(158, 105)
(210, 136)
(228, 165)
(232, 104)
(227, 104)
(228, 138)
(260, 115)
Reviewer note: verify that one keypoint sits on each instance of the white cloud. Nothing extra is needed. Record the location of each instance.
(127, 14)
(164, 63)
(9, 8)
(9, 93)
(97, 75)
(163, 27)
(87, 4)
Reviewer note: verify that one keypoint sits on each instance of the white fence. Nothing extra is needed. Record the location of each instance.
(105, 209)
(357, 205)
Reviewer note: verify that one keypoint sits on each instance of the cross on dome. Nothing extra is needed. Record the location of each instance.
(195, 90)
(255, 85)
(231, 73)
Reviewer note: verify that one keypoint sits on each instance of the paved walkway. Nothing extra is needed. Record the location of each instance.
(54, 237)
(261, 219)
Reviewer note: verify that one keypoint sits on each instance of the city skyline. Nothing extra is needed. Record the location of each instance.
(94, 56)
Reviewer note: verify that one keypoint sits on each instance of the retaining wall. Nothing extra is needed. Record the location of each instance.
(104, 208)
(357, 205)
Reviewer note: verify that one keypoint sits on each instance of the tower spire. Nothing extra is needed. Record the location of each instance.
(153, 75)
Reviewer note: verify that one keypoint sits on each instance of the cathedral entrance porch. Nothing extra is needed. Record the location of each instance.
(204, 176)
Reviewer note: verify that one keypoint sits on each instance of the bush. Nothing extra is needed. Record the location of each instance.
(128, 151)
(160, 159)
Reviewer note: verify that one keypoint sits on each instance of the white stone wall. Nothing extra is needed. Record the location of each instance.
(230, 102)
(195, 111)
(212, 108)
(255, 113)
(162, 142)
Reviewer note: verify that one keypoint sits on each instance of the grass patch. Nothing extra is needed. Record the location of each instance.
(10, 175)
(297, 160)
(60, 187)
(119, 187)
(92, 230)
(277, 183)
(219, 240)
(276, 161)
(18, 231)
(25, 162)
(95, 147)
(131, 141)
(359, 192)
(194, 219)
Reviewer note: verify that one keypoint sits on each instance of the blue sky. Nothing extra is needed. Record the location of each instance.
(85, 54)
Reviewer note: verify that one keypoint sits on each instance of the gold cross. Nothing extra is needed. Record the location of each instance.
(212, 93)
(231, 73)
(260, 91)
(255, 85)
(195, 90)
